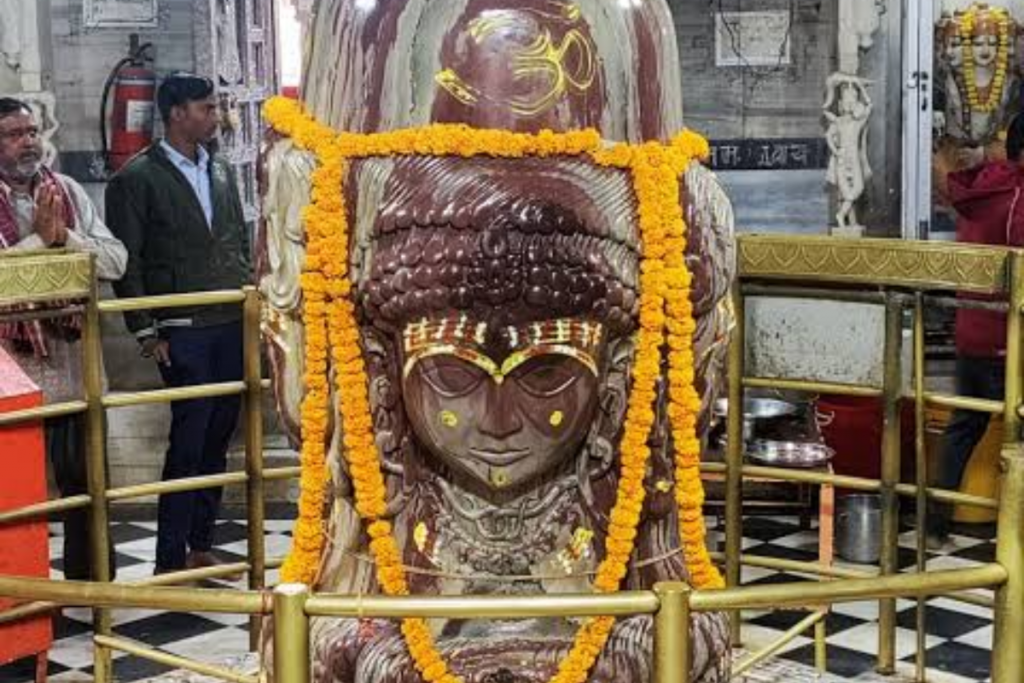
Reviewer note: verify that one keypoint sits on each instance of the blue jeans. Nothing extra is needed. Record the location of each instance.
(201, 431)
(977, 378)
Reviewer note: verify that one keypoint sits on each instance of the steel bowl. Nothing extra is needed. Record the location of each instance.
(799, 454)
(755, 409)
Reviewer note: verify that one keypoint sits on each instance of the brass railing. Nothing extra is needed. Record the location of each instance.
(896, 275)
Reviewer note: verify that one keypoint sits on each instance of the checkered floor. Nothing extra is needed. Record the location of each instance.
(959, 635)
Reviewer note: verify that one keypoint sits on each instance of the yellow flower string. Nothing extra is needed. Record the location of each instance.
(329, 312)
(968, 23)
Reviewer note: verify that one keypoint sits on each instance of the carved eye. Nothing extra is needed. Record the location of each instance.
(450, 376)
(547, 377)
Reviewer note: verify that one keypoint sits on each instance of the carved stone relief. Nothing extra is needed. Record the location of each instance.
(846, 112)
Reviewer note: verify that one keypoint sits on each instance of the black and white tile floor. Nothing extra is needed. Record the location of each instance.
(959, 635)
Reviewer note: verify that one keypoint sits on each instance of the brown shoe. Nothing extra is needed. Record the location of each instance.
(200, 559)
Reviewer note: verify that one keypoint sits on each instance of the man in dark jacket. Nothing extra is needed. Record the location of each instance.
(177, 210)
(987, 199)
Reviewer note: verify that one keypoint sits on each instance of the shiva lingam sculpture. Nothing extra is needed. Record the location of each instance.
(496, 275)
(979, 77)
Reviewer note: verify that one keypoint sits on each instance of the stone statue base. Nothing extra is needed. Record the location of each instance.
(846, 231)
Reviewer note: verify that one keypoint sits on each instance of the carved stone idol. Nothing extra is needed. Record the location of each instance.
(847, 111)
(498, 304)
(978, 71)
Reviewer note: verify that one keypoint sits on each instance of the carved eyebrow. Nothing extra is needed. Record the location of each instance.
(499, 372)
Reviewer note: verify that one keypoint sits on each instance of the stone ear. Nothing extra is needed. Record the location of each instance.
(613, 399)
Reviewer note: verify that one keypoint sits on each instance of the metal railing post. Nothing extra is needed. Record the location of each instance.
(1014, 329)
(891, 394)
(254, 489)
(920, 479)
(672, 655)
(291, 634)
(96, 472)
(1007, 654)
(734, 457)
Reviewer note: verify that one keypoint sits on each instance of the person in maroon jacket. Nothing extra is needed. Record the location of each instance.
(990, 210)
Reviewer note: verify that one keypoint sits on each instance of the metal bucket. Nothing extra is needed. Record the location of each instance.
(859, 528)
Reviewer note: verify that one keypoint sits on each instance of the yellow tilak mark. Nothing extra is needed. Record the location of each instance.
(457, 88)
(556, 418)
(448, 418)
(420, 535)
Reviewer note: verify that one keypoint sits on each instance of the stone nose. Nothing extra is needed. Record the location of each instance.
(501, 417)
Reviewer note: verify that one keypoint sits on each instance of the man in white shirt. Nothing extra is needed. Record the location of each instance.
(177, 209)
(40, 209)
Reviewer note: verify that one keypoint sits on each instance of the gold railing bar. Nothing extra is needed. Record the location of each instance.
(93, 594)
(25, 610)
(193, 484)
(964, 402)
(274, 562)
(803, 593)
(208, 481)
(41, 509)
(230, 296)
(853, 483)
(624, 603)
(282, 473)
(915, 265)
(836, 572)
(755, 658)
(42, 412)
(811, 387)
(124, 399)
(188, 575)
(138, 649)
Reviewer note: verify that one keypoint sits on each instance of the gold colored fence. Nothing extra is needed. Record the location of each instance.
(900, 276)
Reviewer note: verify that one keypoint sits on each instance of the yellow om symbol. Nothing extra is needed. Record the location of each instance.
(553, 68)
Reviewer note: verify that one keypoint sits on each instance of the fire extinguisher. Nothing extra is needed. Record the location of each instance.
(131, 121)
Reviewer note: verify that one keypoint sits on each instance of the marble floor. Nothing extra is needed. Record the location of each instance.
(958, 641)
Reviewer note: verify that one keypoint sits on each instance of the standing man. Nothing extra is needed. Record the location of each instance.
(40, 209)
(177, 210)
(989, 202)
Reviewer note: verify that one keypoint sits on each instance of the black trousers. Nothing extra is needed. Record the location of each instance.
(201, 431)
(65, 447)
(978, 378)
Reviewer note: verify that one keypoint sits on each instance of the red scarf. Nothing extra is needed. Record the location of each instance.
(31, 334)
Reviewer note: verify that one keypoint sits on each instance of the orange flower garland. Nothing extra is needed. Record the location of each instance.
(665, 288)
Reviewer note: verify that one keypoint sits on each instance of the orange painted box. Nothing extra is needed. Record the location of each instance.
(24, 548)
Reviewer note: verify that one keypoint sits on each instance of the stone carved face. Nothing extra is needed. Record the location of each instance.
(952, 48)
(986, 42)
(503, 414)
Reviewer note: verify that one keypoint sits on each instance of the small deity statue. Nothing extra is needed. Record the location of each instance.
(497, 310)
(847, 110)
(977, 72)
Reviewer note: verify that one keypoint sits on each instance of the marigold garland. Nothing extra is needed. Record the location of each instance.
(666, 317)
(968, 23)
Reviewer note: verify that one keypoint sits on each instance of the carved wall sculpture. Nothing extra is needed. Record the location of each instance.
(846, 110)
(497, 303)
